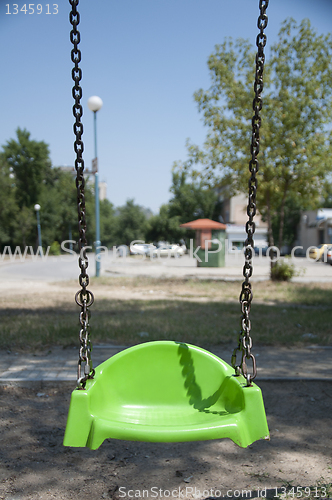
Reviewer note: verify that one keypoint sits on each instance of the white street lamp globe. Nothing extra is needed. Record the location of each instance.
(37, 207)
(95, 103)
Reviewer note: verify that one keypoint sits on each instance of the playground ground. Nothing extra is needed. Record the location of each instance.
(34, 464)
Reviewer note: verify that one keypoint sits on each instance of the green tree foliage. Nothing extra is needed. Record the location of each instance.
(30, 164)
(130, 224)
(25, 227)
(292, 211)
(163, 227)
(27, 178)
(192, 200)
(55, 190)
(295, 152)
(8, 206)
(107, 223)
(59, 218)
(25, 168)
(327, 194)
(58, 212)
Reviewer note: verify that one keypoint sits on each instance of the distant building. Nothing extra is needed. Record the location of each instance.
(102, 190)
(234, 215)
(315, 228)
(67, 168)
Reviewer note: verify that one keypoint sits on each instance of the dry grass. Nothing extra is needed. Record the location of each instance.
(198, 311)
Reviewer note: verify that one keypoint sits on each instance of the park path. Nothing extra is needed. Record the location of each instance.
(65, 267)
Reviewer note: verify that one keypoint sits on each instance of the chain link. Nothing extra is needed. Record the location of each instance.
(84, 298)
(245, 340)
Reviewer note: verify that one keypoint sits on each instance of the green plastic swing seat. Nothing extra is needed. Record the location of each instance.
(165, 392)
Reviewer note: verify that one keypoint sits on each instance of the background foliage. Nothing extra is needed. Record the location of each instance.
(295, 155)
(295, 147)
(27, 178)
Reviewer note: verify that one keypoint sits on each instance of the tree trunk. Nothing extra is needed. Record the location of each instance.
(282, 218)
(270, 232)
(270, 238)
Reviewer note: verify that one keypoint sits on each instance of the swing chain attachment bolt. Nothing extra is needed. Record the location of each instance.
(246, 296)
(84, 298)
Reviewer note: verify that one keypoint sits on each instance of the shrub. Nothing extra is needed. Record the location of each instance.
(283, 271)
(55, 248)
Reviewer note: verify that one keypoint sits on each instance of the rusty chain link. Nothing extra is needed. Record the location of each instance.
(245, 340)
(84, 298)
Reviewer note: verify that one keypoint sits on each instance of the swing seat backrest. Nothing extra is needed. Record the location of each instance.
(165, 392)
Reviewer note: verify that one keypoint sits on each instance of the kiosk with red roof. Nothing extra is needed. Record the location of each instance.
(209, 242)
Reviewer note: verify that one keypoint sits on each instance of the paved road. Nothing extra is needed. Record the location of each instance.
(65, 267)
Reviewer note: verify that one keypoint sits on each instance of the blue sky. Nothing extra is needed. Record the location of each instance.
(145, 59)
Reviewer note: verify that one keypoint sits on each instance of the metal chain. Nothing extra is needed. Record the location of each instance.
(84, 298)
(245, 340)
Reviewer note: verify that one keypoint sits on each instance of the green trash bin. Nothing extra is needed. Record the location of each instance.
(215, 255)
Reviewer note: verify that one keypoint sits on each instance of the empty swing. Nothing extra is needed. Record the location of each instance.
(165, 391)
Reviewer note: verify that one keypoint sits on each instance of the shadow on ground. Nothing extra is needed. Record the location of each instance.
(125, 322)
(34, 464)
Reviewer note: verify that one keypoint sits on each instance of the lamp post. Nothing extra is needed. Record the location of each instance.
(37, 208)
(95, 103)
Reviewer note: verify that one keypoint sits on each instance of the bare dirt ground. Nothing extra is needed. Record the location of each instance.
(37, 294)
(35, 465)
(43, 294)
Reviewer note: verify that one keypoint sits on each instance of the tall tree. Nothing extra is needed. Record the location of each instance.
(292, 213)
(107, 223)
(8, 207)
(295, 147)
(193, 199)
(327, 194)
(58, 207)
(130, 223)
(164, 227)
(29, 163)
